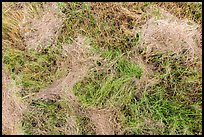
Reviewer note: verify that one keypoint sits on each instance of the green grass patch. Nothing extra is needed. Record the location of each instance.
(102, 89)
(121, 65)
(109, 91)
(31, 69)
(126, 68)
(155, 114)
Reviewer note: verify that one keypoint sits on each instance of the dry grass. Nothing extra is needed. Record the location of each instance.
(12, 107)
(80, 59)
(28, 24)
(42, 29)
(78, 62)
(162, 36)
(171, 34)
(104, 121)
(184, 10)
(11, 17)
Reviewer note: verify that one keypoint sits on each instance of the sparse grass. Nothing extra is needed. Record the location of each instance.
(85, 126)
(185, 10)
(171, 70)
(49, 117)
(172, 106)
(105, 23)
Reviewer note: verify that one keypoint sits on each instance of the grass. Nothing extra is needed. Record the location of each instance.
(48, 117)
(165, 108)
(33, 70)
(185, 10)
(105, 32)
(85, 126)
(154, 114)
(106, 87)
(171, 106)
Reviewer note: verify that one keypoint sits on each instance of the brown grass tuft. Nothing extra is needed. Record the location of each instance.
(12, 107)
(170, 34)
(41, 30)
(79, 61)
(30, 25)
(103, 120)
(11, 17)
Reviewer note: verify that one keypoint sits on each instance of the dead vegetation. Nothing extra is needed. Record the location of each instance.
(187, 10)
(166, 34)
(10, 27)
(12, 107)
(170, 34)
(79, 61)
(104, 121)
(41, 30)
(31, 25)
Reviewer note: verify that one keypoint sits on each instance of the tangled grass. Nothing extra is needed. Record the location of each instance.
(143, 75)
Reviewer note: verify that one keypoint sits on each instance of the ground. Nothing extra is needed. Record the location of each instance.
(102, 68)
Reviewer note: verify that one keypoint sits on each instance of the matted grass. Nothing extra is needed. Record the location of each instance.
(171, 105)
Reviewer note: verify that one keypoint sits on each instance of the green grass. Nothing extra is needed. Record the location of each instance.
(109, 91)
(171, 106)
(164, 108)
(31, 69)
(102, 89)
(165, 116)
(126, 68)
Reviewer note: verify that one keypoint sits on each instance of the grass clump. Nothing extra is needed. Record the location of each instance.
(184, 10)
(105, 23)
(126, 68)
(106, 88)
(156, 114)
(109, 91)
(33, 70)
(85, 126)
(49, 117)
(120, 64)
